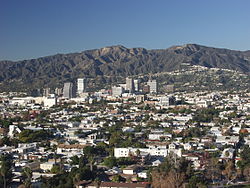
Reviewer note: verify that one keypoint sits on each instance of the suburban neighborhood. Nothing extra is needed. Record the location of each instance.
(126, 136)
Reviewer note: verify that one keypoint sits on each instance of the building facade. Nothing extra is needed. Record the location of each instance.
(153, 86)
(130, 85)
(68, 90)
(81, 85)
(117, 91)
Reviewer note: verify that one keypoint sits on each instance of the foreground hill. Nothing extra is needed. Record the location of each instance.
(111, 64)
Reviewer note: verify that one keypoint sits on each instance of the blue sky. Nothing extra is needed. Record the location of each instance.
(32, 28)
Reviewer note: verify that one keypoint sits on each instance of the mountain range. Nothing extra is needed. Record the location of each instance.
(114, 63)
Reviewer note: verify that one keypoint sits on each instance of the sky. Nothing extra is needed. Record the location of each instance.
(33, 28)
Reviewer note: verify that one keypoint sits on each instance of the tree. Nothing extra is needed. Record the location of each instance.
(115, 139)
(118, 178)
(197, 181)
(74, 160)
(172, 173)
(229, 172)
(212, 169)
(138, 152)
(34, 136)
(244, 164)
(82, 161)
(27, 176)
(55, 169)
(89, 151)
(5, 170)
(110, 162)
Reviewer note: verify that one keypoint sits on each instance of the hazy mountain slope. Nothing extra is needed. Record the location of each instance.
(116, 61)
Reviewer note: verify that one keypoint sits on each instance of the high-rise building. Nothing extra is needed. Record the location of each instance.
(68, 90)
(81, 85)
(153, 86)
(136, 84)
(130, 85)
(59, 92)
(46, 92)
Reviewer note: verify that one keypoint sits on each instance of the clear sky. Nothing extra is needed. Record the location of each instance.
(35, 28)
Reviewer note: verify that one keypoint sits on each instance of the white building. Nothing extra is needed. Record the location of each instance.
(47, 166)
(136, 84)
(153, 86)
(50, 101)
(227, 140)
(166, 100)
(12, 130)
(70, 150)
(81, 85)
(125, 152)
(25, 148)
(159, 136)
(117, 91)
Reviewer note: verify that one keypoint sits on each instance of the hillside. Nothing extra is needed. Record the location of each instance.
(112, 64)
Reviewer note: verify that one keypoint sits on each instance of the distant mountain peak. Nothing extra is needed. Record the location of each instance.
(193, 47)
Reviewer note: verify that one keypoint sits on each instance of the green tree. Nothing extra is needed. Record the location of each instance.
(5, 170)
(27, 176)
(55, 169)
(118, 178)
(74, 160)
(110, 162)
(115, 139)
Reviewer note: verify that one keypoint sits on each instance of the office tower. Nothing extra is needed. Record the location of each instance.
(59, 92)
(136, 84)
(130, 85)
(117, 91)
(153, 87)
(81, 85)
(46, 92)
(68, 90)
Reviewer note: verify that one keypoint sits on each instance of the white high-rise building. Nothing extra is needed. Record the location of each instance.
(153, 87)
(81, 85)
(136, 84)
(68, 90)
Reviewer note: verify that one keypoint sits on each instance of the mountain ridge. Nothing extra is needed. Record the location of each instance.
(108, 63)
